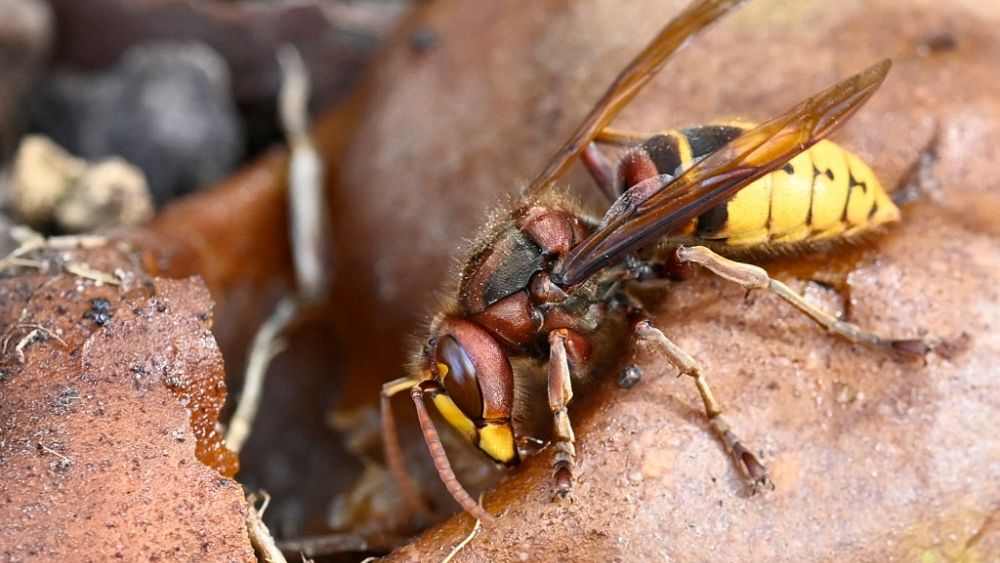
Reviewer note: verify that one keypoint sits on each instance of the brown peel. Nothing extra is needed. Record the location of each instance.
(107, 440)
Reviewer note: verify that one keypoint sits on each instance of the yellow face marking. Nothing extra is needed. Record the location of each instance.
(497, 440)
(453, 416)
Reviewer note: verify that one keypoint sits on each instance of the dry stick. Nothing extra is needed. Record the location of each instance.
(308, 236)
(32, 242)
(461, 545)
(266, 345)
(260, 536)
(83, 270)
(306, 204)
(38, 330)
(15, 262)
(46, 449)
(317, 546)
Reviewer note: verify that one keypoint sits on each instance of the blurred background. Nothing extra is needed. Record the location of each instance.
(183, 91)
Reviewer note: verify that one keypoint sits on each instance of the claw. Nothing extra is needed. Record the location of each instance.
(758, 479)
(563, 477)
(911, 347)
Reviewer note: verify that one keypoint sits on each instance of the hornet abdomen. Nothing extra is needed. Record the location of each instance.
(823, 193)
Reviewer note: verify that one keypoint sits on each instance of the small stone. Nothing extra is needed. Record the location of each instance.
(43, 174)
(629, 377)
(100, 311)
(110, 193)
(51, 188)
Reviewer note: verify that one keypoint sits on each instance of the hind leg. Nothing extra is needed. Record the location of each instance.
(755, 277)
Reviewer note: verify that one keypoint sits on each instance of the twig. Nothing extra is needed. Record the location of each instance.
(328, 544)
(71, 242)
(32, 336)
(47, 449)
(83, 270)
(307, 208)
(266, 345)
(260, 536)
(14, 261)
(64, 461)
(307, 204)
(30, 242)
(37, 330)
(33, 242)
(465, 542)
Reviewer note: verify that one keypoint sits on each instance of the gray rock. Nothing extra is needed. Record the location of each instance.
(166, 107)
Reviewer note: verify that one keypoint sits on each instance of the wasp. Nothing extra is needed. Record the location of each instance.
(550, 283)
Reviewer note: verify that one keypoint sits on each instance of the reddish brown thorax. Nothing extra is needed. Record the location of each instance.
(506, 277)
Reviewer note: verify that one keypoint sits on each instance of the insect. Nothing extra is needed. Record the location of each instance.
(550, 283)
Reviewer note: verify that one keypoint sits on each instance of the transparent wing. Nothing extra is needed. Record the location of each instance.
(643, 67)
(635, 221)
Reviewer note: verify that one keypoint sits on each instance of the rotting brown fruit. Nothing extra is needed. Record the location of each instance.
(108, 402)
(906, 459)
(872, 457)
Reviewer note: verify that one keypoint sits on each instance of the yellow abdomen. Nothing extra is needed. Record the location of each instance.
(823, 193)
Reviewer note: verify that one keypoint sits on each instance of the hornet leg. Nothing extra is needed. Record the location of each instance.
(755, 277)
(745, 460)
(603, 172)
(564, 345)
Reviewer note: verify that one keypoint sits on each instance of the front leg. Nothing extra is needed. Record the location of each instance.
(564, 345)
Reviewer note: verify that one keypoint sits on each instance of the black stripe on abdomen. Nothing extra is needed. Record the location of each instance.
(706, 139)
(663, 151)
(703, 141)
(712, 221)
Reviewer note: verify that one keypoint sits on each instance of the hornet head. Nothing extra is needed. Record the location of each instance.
(474, 388)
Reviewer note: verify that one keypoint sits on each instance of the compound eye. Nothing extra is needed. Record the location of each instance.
(460, 381)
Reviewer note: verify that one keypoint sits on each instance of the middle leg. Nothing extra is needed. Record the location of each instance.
(747, 463)
(605, 173)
